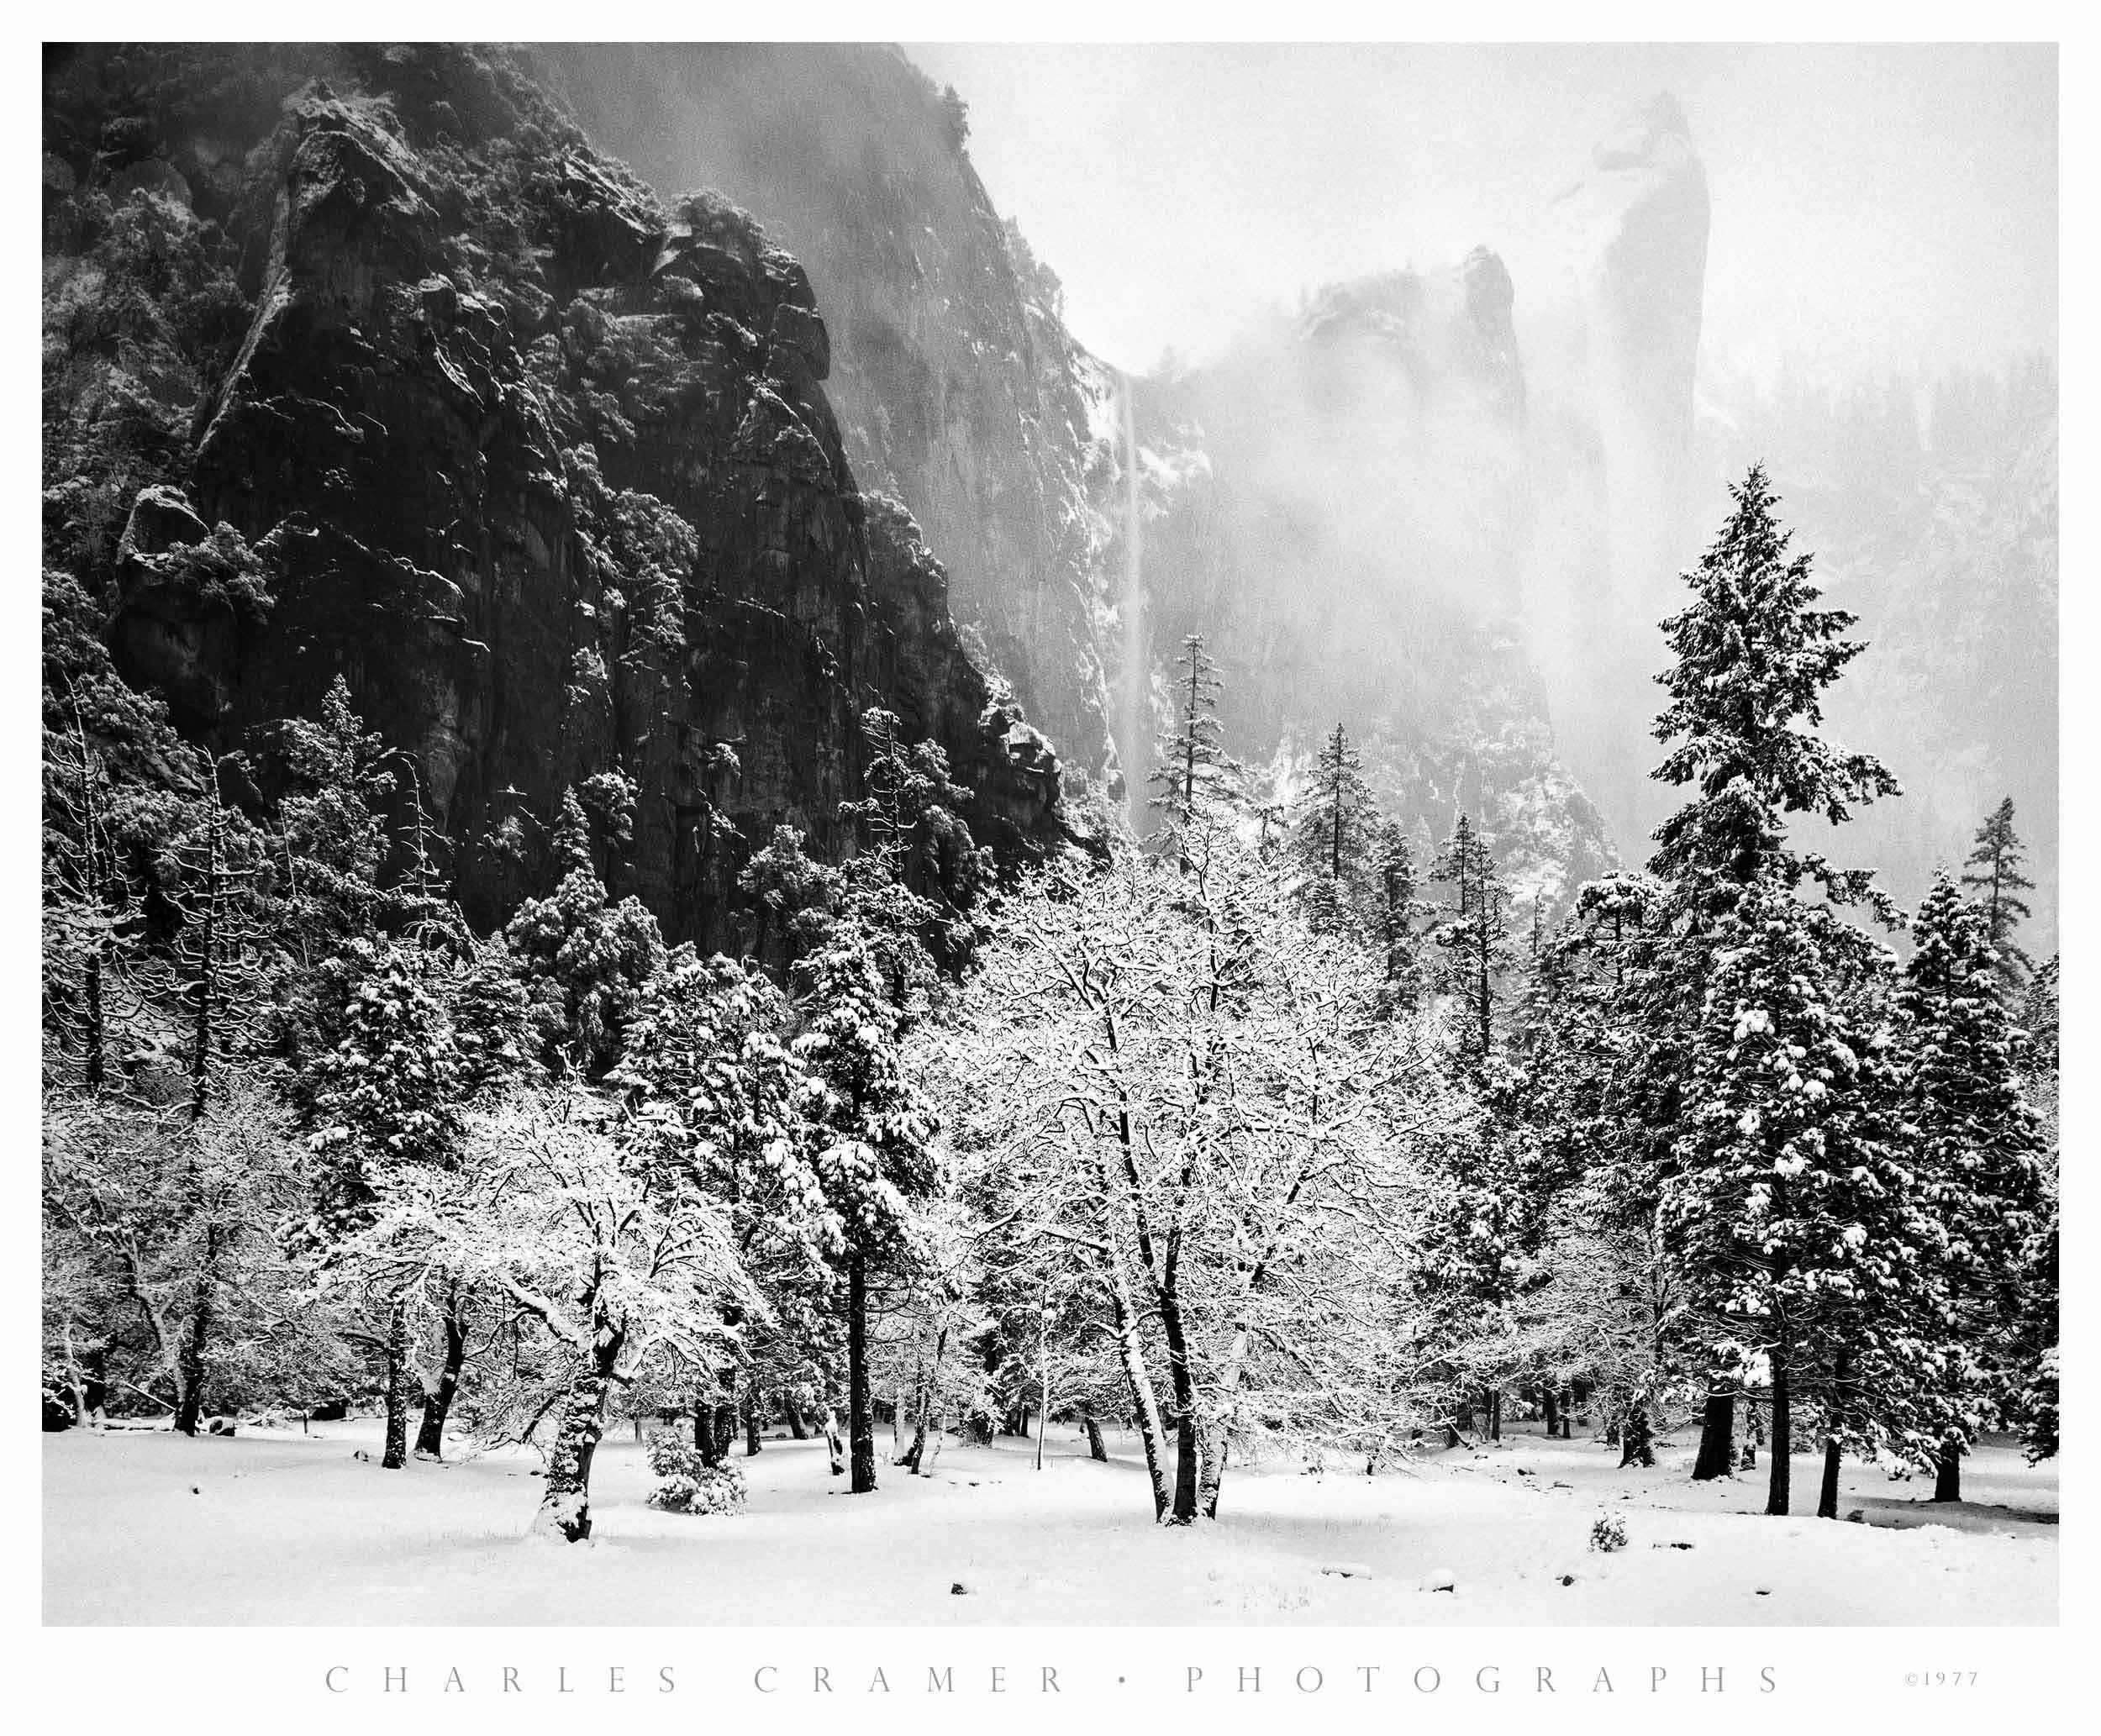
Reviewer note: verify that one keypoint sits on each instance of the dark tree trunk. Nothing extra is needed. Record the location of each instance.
(437, 1405)
(1947, 1470)
(797, 1428)
(704, 1430)
(1637, 1435)
(564, 1506)
(1781, 1445)
(751, 1419)
(1827, 1491)
(1550, 1411)
(1095, 1448)
(1188, 1468)
(1495, 1413)
(394, 1454)
(860, 1420)
(1568, 1414)
(1717, 1430)
(189, 1355)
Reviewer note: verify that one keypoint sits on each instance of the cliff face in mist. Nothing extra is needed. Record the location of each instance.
(957, 387)
(1342, 506)
(544, 466)
(1634, 228)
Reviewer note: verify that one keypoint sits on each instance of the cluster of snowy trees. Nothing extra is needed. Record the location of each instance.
(1260, 1137)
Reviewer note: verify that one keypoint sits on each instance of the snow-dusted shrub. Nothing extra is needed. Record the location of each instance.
(690, 1484)
(1607, 1532)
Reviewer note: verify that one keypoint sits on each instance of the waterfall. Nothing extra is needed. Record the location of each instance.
(1131, 733)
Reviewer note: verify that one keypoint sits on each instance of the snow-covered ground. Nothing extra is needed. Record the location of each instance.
(284, 1528)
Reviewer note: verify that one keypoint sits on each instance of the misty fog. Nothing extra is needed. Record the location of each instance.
(1839, 260)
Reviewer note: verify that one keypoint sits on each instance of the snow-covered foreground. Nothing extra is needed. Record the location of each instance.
(286, 1528)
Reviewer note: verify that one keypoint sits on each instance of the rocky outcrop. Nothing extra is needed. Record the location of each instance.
(545, 468)
(1342, 506)
(1634, 229)
(959, 390)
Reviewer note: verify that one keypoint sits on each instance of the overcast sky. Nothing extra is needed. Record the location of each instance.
(1873, 205)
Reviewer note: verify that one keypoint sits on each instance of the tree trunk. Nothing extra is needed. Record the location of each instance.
(797, 1428)
(1717, 1430)
(1144, 1402)
(861, 1422)
(1781, 1445)
(750, 1419)
(1215, 1450)
(1495, 1413)
(1947, 1470)
(910, 1457)
(832, 1447)
(704, 1442)
(437, 1405)
(1828, 1490)
(1095, 1448)
(565, 1507)
(189, 1355)
(1637, 1435)
(395, 1454)
(1550, 1411)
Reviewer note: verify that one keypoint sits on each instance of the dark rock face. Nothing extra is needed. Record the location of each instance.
(958, 388)
(547, 472)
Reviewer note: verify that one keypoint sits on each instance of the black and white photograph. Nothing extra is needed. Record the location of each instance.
(1046, 835)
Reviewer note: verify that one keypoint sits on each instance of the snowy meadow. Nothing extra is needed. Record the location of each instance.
(286, 1528)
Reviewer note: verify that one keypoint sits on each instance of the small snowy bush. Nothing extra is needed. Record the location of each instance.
(690, 1484)
(1608, 1533)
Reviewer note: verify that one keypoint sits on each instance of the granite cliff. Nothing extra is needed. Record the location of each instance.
(958, 388)
(541, 463)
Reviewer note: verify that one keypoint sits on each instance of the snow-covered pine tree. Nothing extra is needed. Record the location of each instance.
(1796, 1209)
(918, 872)
(1752, 654)
(1585, 1072)
(1333, 836)
(1396, 911)
(1993, 867)
(1979, 1155)
(335, 840)
(708, 1074)
(794, 897)
(584, 959)
(873, 1136)
(1195, 783)
(1475, 936)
